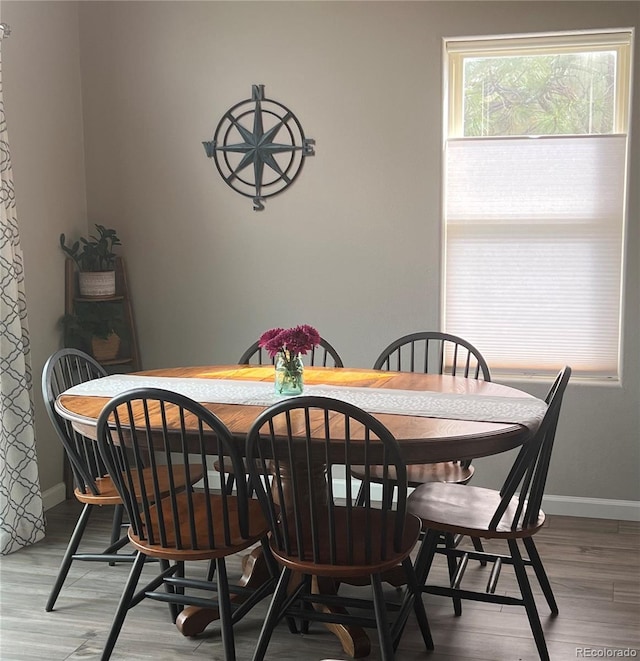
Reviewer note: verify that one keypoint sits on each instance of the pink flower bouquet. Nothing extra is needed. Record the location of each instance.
(286, 346)
(290, 341)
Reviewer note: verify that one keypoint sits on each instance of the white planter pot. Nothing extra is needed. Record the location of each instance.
(95, 284)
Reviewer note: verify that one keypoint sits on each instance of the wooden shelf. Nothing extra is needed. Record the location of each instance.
(99, 299)
(128, 354)
(116, 361)
(128, 359)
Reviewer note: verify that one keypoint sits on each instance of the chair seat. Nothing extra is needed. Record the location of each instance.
(207, 548)
(358, 564)
(108, 494)
(466, 510)
(417, 474)
(193, 521)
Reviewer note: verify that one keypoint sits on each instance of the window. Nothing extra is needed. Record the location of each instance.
(535, 178)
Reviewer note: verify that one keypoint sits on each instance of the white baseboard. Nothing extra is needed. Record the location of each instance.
(53, 496)
(594, 508)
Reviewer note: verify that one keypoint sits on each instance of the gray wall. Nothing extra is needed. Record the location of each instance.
(42, 96)
(353, 247)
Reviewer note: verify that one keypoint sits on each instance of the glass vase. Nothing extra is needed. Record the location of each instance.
(289, 375)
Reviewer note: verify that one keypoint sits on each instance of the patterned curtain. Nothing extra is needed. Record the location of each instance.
(21, 516)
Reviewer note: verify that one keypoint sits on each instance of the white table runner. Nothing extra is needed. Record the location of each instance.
(526, 411)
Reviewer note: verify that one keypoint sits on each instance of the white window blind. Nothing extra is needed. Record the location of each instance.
(533, 250)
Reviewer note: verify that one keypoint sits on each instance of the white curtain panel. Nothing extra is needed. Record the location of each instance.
(21, 515)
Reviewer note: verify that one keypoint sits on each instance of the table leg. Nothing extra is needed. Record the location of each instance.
(354, 640)
(193, 620)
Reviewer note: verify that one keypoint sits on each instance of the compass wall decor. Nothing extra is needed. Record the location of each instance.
(259, 147)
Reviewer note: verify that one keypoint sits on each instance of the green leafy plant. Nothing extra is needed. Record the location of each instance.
(94, 253)
(93, 320)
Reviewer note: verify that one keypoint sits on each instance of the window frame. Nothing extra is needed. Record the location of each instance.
(455, 50)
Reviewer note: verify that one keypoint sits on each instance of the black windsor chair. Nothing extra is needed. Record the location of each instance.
(431, 352)
(295, 445)
(178, 436)
(92, 486)
(510, 514)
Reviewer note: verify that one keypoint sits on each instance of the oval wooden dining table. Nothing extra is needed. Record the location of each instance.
(423, 439)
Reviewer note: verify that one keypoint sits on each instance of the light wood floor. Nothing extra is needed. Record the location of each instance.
(593, 565)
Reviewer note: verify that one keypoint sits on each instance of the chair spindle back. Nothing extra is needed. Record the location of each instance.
(433, 352)
(64, 369)
(528, 475)
(300, 444)
(153, 428)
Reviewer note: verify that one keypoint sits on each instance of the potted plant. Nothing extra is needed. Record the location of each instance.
(95, 260)
(95, 328)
